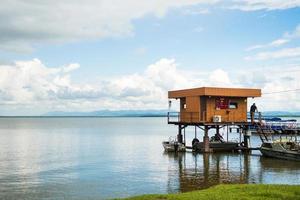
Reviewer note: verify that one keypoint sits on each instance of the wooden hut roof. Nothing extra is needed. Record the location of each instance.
(214, 91)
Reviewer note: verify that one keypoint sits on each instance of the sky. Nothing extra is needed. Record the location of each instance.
(89, 55)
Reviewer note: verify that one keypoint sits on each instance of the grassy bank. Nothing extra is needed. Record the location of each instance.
(238, 192)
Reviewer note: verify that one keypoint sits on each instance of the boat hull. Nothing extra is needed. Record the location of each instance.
(284, 154)
(173, 146)
(216, 146)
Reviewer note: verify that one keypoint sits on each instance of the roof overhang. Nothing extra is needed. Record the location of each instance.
(214, 91)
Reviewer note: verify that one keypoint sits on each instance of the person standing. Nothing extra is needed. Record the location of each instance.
(253, 109)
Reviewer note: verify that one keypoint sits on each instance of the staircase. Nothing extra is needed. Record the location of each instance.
(265, 132)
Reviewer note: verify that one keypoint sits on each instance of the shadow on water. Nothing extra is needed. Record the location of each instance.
(200, 171)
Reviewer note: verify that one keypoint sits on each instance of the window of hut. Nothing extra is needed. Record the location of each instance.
(233, 105)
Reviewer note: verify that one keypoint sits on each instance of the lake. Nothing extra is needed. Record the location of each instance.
(102, 158)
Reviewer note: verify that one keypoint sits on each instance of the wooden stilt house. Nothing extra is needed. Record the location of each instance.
(211, 104)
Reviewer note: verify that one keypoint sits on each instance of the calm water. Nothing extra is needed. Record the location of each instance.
(100, 158)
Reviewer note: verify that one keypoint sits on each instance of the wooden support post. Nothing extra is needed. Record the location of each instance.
(206, 140)
(206, 168)
(184, 136)
(179, 136)
(246, 144)
(246, 139)
(240, 138)
(227, 133)
(246, 166)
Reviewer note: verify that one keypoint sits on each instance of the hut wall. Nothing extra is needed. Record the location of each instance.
(238, 114)
(189, 109)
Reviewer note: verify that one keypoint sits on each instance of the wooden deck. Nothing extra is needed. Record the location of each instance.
(174, 118)
(211, 123)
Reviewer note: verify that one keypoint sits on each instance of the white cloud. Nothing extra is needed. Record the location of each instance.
(71, 67)
(220, 78)
(286, 38)
(30, 87)
(282, 53)
(272, 80)
(33, 86)
(294, 34)
(252, 5)
(279, 42)
(276, 43)
(257, 46)
(279, 54)
(282, 80)
(197, 11)
(25, 24)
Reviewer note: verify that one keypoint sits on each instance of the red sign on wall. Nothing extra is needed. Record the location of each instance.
(222, 103)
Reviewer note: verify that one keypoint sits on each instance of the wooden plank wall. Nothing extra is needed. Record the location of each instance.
(227, 115)
(191, 113)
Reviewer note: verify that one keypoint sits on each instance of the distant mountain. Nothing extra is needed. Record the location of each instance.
(112, 113)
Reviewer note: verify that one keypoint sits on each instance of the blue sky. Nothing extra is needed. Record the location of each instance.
(113, 45)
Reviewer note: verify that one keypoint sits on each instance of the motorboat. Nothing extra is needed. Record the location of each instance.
(173, 146)
(288, 150)
(216, 143)
(217, 146)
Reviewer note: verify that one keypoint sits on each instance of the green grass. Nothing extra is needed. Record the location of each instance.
(232, 192)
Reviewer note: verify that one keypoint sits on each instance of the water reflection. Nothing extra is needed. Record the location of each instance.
(200, 171)
(279, 165)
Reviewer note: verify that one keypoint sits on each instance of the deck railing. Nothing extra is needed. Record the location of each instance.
(188, 117)
(257, 117)
(277, 126)
(173, 117)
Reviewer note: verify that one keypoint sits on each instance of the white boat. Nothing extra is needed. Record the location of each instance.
(173, 146)
(281, 149)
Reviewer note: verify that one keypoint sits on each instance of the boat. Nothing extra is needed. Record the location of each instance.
(216, 146)
(173, 146)
(216, 143)
(288, 150)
